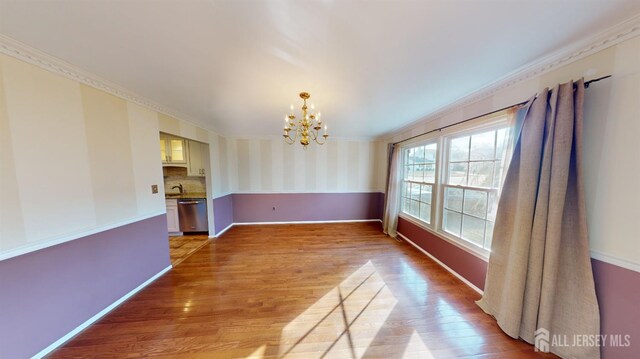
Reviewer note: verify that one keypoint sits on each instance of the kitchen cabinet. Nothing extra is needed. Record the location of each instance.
(196, 158)
(173, 150)
(173, 221)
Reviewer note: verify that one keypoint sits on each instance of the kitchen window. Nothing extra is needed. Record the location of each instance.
(451, 180)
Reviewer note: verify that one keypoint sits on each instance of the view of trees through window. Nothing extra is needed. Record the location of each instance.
(474, 172)
(468, 182)
(419, 176)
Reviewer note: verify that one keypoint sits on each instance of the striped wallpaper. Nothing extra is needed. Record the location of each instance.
(272, 166)
(76, 160)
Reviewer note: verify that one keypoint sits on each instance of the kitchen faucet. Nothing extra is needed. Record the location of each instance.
(179, 187)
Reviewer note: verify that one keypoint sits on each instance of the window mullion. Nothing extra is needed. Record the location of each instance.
(468, 171)
(483, 189)
(438, 202)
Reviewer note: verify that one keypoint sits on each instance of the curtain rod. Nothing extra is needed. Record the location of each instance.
(586, 85)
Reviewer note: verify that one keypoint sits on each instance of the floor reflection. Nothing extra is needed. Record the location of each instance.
(344, 322)
(414, 279)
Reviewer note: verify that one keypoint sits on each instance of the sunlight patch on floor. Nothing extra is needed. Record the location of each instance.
(416, 349)
(258, 354)
(344, 322)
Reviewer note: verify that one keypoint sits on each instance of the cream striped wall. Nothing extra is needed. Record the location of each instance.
(76, 161)
(271, 166)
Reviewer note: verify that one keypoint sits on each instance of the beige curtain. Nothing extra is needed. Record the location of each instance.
(392, 197)
(539, 275)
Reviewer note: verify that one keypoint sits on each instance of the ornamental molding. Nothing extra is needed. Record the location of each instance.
(26, 53)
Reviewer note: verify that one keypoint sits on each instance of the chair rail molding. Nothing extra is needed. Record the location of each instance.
(66, 237)
(615, 260)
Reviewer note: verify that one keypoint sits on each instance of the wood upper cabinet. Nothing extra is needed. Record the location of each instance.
(173, 150)
(196, 158)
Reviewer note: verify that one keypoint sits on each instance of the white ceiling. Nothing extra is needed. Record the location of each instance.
(370, 66)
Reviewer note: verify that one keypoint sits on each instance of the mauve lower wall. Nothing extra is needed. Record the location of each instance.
(618, 291)
(47, 293)
(293, 207)
(617, 288)
(464, 263)
(222, 212)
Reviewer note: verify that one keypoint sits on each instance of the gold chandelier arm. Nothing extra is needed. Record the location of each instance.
(323, 142)
(294, 134)
(315, 136)
(289, 140)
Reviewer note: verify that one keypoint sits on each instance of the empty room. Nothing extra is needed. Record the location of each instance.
(319, 179)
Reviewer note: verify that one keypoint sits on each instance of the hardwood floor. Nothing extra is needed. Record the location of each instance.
(181, 247)
(300, 291)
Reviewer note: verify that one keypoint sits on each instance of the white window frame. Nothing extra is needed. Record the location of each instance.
(486, 123)
(434, 185)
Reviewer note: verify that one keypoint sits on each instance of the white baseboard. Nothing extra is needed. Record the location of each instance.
(222, 231)
(309, 222)
(93, 319)
(463, 279)
(293, 222)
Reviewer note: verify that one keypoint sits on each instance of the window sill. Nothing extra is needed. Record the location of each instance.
(460, 243)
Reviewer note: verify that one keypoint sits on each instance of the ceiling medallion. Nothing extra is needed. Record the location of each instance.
(306, 128)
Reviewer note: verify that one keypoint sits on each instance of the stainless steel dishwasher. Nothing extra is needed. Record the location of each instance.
(193, 215)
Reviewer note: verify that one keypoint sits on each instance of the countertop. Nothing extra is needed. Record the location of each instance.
(193, 195)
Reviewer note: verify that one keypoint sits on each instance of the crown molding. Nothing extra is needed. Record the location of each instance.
(26, 53)
(610, 37)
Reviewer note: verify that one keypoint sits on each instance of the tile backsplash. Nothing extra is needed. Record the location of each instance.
(174, 176)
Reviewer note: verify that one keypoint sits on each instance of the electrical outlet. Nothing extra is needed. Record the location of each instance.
(154, 188)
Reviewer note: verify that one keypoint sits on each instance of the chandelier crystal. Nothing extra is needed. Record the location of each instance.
(305, 129)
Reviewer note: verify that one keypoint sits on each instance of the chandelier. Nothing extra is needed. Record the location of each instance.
(306, 128)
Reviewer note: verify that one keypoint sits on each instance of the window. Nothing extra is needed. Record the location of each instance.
(418, 180)
(474, 163)
(455, 191)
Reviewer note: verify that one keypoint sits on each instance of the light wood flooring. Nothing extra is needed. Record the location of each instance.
(300, 291)
(181, 247)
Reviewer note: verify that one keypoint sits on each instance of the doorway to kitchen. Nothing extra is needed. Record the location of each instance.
(185, 170)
